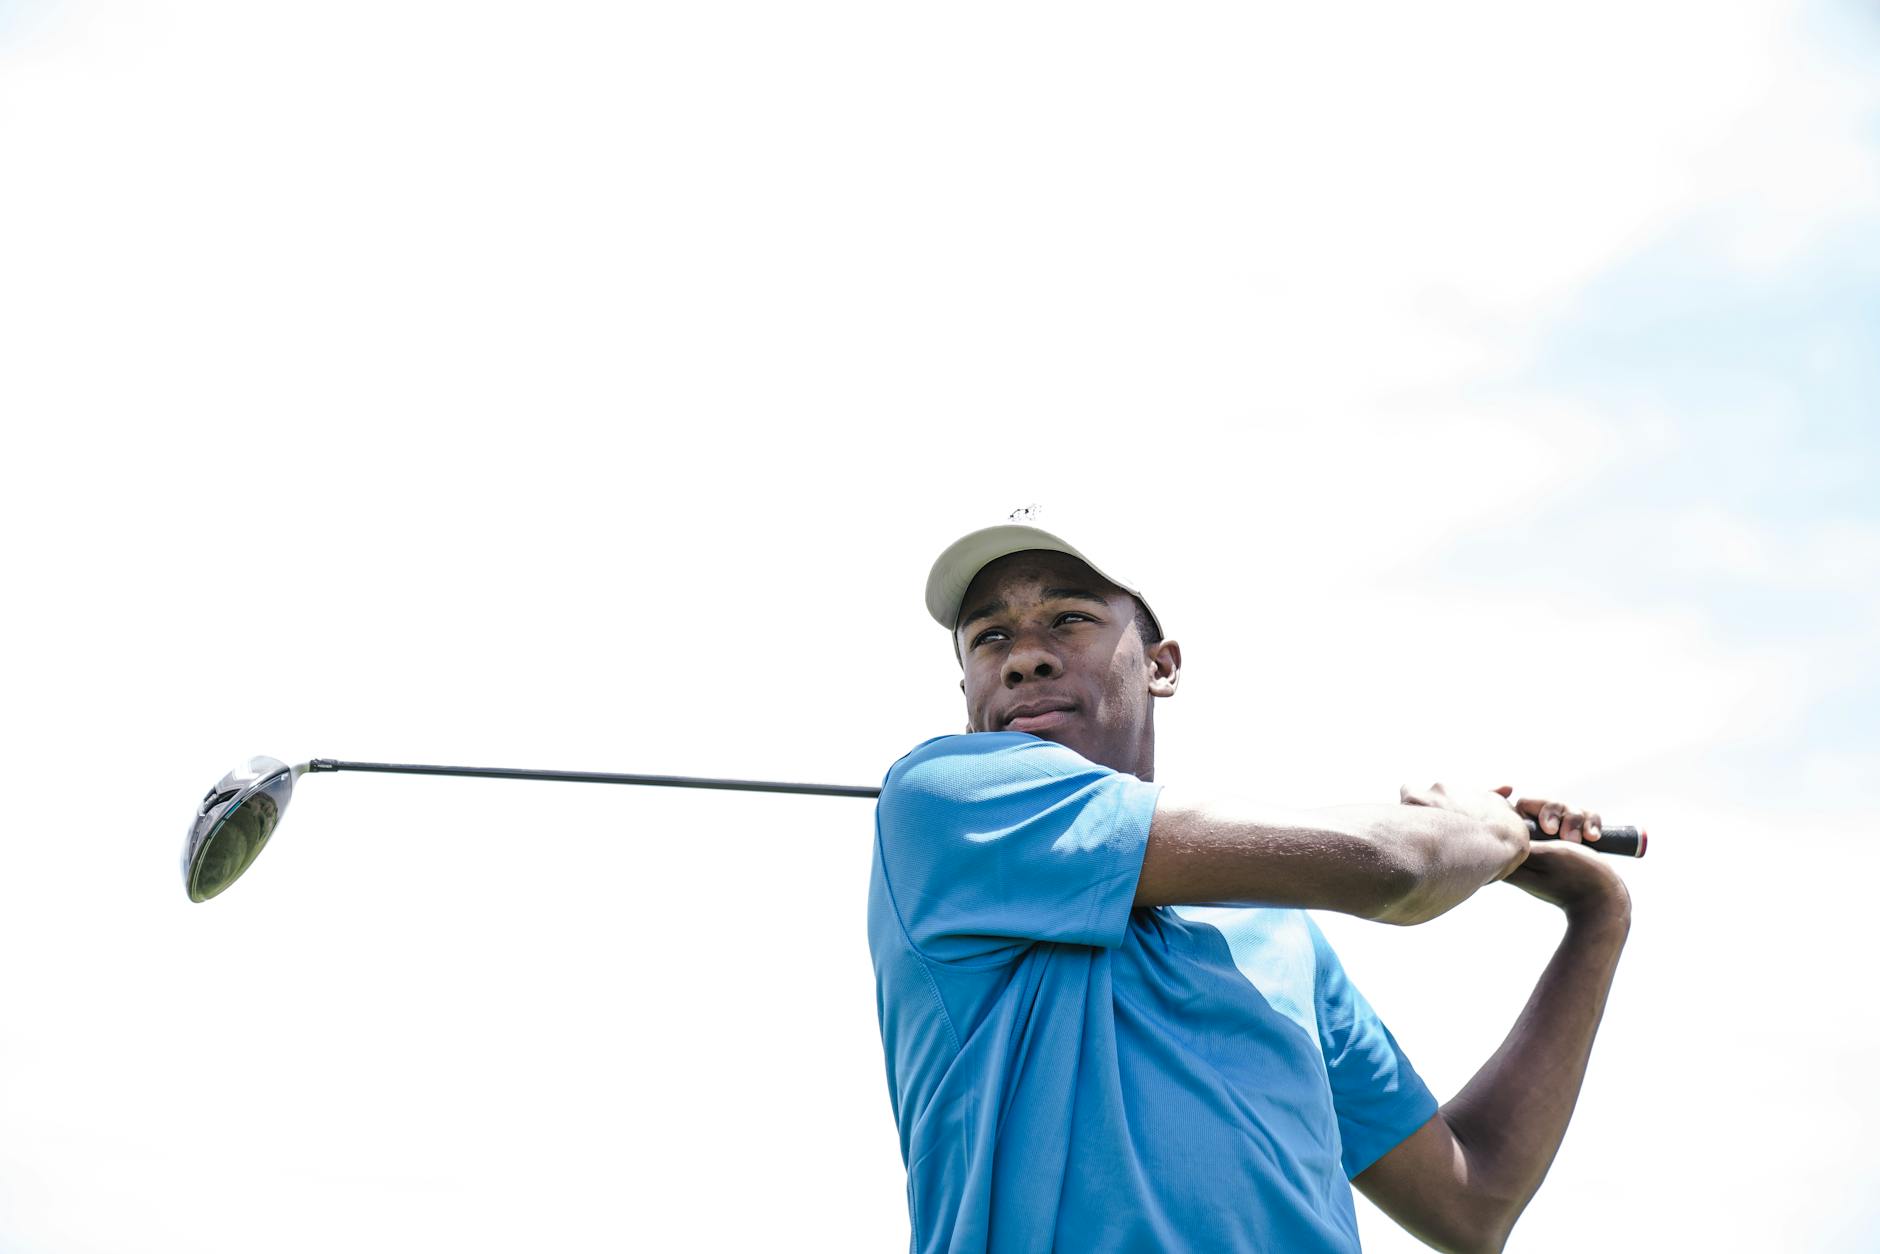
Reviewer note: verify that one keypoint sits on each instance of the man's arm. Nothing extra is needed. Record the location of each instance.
(1460, 1181)
(1392, 863)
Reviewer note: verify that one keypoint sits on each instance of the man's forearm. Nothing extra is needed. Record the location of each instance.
(1510, 1118)
(1392, 863)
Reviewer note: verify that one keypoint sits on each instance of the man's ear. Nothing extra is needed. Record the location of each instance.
(1165, 668)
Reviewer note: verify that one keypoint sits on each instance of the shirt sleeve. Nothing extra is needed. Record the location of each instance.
(993, 840)
(1379, 1097)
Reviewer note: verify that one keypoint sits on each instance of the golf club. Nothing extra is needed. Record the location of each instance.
(238, 815)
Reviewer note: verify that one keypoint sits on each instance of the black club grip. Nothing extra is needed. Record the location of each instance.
(1626, 842)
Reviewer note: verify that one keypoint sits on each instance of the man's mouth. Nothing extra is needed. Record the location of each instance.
(1028, 718)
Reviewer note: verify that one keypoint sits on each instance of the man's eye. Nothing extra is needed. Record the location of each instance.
(987, 634)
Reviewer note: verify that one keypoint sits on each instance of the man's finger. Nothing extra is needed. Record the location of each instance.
(1572, 826)
(1592, 825)
(1546, 814)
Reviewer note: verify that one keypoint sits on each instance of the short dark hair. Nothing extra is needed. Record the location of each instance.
(1145, 626)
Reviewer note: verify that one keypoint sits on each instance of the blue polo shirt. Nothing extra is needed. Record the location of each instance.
(1072, 1074)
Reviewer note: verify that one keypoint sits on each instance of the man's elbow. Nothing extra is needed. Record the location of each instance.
(1483, 1243)
(1482, 1227)
(1490, 1232)
(1486, 1218)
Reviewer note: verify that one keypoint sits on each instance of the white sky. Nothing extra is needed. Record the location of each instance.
(1489, 394)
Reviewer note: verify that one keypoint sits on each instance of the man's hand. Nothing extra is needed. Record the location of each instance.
(1567, 878)
(1586, 888)
(1492, 808)
(1557, 818)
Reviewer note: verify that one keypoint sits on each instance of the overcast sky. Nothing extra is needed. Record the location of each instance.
(1481, 393)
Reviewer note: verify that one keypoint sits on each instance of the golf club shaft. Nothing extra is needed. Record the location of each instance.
(1624, 841)
(599, 777)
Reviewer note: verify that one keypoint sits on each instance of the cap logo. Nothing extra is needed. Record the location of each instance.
(1024, 514)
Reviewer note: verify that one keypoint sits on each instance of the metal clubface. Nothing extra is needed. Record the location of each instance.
(233, 822)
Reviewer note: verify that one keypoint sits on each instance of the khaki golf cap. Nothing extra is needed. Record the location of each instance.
(953, 572)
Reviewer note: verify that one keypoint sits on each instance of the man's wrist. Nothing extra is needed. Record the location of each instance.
(1608, 916)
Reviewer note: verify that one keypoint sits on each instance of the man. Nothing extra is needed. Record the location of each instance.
(1097, 1040)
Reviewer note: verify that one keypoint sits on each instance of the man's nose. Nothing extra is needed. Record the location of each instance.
(1031, 658)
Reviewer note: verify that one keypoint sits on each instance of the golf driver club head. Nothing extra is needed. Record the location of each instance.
(233, 822)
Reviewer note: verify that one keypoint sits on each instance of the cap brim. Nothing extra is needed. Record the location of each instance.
(953, 572)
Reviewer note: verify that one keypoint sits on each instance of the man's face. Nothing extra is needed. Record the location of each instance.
(1050, 647)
